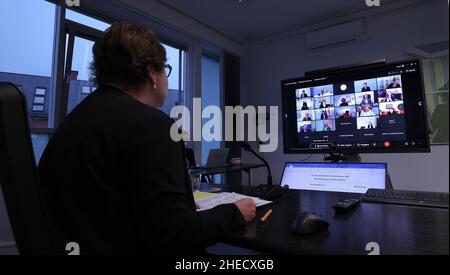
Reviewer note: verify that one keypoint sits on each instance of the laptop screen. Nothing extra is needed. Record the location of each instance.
(335, 177)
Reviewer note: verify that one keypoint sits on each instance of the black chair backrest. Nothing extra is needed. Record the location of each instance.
(190, 157)
(18, 176)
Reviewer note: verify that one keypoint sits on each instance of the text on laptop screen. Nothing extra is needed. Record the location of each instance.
(349, 178)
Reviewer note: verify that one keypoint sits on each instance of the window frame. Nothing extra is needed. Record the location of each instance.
(58, 101)
(425, 57)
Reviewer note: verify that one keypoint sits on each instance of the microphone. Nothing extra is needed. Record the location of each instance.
(247, 147)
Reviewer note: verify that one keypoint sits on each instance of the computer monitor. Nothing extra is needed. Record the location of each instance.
(335, 177)
(368, 109)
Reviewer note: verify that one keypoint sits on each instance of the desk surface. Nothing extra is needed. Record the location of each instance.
(397, 229)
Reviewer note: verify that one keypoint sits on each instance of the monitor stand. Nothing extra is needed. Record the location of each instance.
(336, 157)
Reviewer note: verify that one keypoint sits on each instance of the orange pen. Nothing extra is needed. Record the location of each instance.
(266, 216)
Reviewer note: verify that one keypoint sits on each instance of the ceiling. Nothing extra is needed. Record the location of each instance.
(434, 47)
(257, 19)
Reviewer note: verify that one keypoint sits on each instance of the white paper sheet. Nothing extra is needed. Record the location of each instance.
(226, 198)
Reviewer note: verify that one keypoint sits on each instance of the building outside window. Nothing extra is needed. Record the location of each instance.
(27, 51)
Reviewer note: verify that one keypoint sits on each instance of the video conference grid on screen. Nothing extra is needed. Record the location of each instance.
(357, 105)
(363, 109)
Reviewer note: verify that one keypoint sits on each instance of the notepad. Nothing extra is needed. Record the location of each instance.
(202, 195)
(209, 200)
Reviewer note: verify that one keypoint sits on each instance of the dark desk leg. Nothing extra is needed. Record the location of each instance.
(389, 184)
(248, 171)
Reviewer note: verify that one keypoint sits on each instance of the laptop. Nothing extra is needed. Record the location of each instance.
(217, 158)
(335, 177)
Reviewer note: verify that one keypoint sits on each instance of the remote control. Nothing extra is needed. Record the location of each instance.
(346, 205)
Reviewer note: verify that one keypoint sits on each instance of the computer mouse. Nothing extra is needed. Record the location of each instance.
(309, 223)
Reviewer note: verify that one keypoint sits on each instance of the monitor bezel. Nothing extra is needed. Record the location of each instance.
(351, 151)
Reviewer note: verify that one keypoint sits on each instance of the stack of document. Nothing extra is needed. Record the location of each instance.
(210, 200)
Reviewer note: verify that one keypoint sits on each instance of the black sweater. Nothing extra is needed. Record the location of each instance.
(114, 182)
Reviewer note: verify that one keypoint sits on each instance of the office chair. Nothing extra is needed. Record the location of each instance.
(18, 176)
(190, 157)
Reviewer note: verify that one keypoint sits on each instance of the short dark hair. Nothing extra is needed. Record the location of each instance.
(124, 54)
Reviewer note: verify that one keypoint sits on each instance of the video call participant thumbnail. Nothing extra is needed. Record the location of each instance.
(366, 99)
(305, 116)
(306, 126)
(392, 108)
(323, 102)
(344, 100)
(390, 82)
(367, 123)
(322, 114)
(366, 85)
(391, 95)
(345, 112)
(325, 125)
(322, 91)
(303, 93)
(366, 110)
(304, 104)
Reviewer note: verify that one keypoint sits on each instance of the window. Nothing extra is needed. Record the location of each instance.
(81, 79)
(40, 141)
(38, 108)
(39, 100)
(436, 89)
(211, 96)
(86, 20)
(40, 92)
(27, 58)
(175, 58)
(26, 52)
(81, 82)
(434, 61)
(86, 90)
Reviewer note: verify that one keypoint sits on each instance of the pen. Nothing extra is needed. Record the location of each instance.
(266, 216)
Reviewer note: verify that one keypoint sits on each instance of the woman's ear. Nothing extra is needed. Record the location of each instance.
(152, 75)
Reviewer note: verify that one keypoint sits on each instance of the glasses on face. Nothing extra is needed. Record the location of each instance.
(168, 69)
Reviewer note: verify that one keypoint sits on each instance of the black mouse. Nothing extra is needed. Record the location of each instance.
(309, 223)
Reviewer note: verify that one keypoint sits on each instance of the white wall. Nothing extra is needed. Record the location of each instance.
(390, 33)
